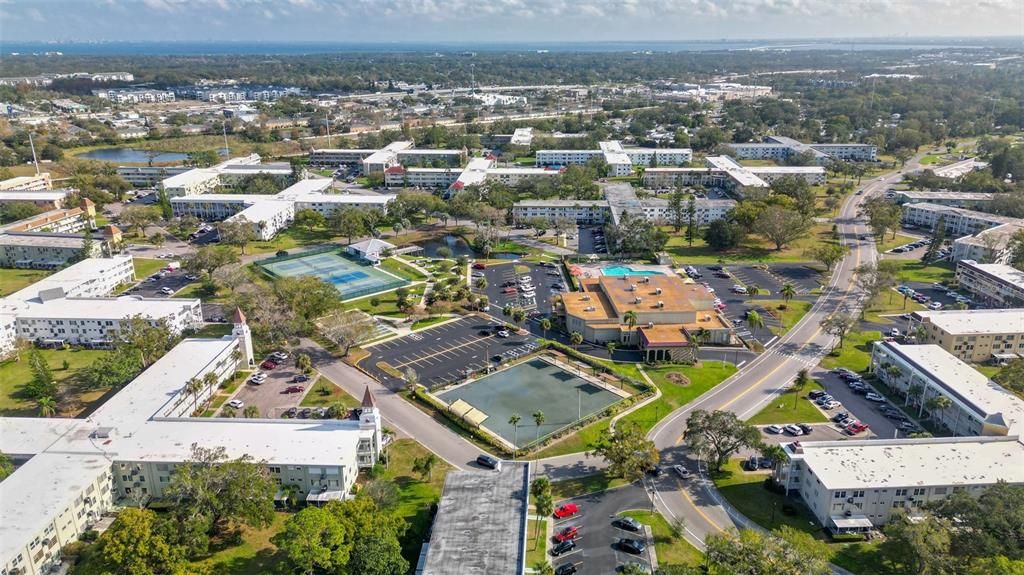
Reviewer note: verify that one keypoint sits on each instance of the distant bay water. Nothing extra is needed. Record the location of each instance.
(301, 48)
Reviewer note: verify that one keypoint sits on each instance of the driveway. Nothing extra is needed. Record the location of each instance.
(270, 397)
(585, 240)
(862, 409)
(595, 552)
(150, 287)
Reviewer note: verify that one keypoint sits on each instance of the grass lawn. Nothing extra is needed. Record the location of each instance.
(16, 374)
(387, 302)
(988, 371)
(147, 267)
(425, 323)
(214, 330)
(673, 396)
(793, 312)
(416, 494)
(915, 271)
(890, 242)
(568, 488)
(289, 239)
(889, 303)
(855, 353)
(255, 554)
(401, 270)
(753, 248)
(931, 159)
(670, 549)
(790, 407)
(536, 547)
(326, 393)
(12, 280)
(510, 247)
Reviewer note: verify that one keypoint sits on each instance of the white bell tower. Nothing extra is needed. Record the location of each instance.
(244, 334)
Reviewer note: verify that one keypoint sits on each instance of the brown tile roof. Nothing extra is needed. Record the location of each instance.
(668, 335)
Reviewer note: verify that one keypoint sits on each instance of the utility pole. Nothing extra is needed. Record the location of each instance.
(35, 160)
(224, 130)
(327, 116)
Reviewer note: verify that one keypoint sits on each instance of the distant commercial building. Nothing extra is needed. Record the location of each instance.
(994, 245)
(979, 406)
(856, 486)
(997, 285)
(957, 222)
(126, 452)
(37, 183)
(520, 137)
(461, 544)
(780, 148)
(669, 312)
(976, 335)
(953, 199)
(135, 96)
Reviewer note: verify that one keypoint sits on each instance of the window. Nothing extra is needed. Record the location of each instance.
(920, 491)
(901, 493)
(840, 495)
(940, 491)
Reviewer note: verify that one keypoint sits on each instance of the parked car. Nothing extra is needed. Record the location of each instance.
(489, 462)
(816, 394)
(567, 510)
(773, 429)
(894, 332)
(294, 389)
(479, 266)
(841, 416)
(571, 532)
(291, 412)
(563, 547)
(807, 429)
(268, 364)
(627, 523)
(874, 397)
(166, 291)
(566, 569)
(632, 546)
(503, 333)
(793, 430)
(856, 428)
(935, 305)
(280, 355)
(832, 404)
(236, 403)
(305, 413)
(301, 378)
(681, 471)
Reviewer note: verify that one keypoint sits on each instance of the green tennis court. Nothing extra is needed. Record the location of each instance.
(525, 389)
(351, 278)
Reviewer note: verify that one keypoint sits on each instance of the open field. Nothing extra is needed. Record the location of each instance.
(855, 353)
(753, 248)
(326, 393)
(289, 239)
(146, 267)
(12, 280)
(568, 488)
(387, 302)
(16, 374)
(788, 314)
(791, 407)
(416, 494)
(670, 549)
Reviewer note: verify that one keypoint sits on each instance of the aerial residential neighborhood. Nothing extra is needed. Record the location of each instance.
(529, 288)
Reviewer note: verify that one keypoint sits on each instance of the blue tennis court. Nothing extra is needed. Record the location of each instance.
(351, 278)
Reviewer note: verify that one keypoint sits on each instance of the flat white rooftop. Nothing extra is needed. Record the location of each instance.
(73, 276)
(41, 196)
(343, 199)
(307, 186)
(195, 176)
(894, 463)
(105, 308)
(1002, 272)
(925, 196)
(964, 384)
(976, 321)
(31, 435)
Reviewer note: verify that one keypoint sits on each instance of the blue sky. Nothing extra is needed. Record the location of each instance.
(500, 20)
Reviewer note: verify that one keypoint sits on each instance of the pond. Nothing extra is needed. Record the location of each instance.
(131, 156)
(458, 247)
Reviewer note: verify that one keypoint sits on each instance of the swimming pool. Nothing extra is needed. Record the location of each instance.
(627, 271)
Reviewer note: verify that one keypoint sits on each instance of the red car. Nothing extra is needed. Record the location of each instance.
(268, 364)
(510, 290)
(294, 389)
(857, 428)
(479, 266)
(567, 534)
(567, 510)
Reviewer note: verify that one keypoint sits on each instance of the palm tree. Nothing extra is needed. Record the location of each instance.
(538, 418)
(576, 338)
(518, 315)
(481, 283)
(788, 292)
(193, 387)
(251, 412)
(702, 335)
(545, 325)
(611, 345)
(803, 379)
(939, 403)
(913, 392)
(753, 289)
(514, 420)
(210, 380)
(424, 466)
(754, 320)
(630, 319)
(47, 406)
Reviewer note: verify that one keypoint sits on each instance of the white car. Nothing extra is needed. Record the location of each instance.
(935, 305)
(166, 291)
(793, 430)
(504, 333)
(773, 429)
(681, 471)
(831, 405)
(236, 403)
(872, 396)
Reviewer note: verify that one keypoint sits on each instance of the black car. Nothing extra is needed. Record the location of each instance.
(565, 569)
(292, 412)
(816, 394)
(488, 461)
(633, 546)
(627, 523)
(301, 378)
(563, 547)
(656, 471)
(807, 429)
(305, 413)
(715, 268)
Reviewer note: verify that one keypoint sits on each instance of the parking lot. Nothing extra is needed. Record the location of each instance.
(586, 243)
(445, 353)
(596, 552)
(152, 286)
(504, 287)
(270, 396)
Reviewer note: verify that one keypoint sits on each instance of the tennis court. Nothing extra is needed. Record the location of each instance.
(525, 389)
(352, 279)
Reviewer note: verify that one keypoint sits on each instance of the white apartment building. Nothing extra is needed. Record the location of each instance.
(127, 450)
(267, 218)
(327, 204)
(91, 278)
(662, 156)
(956, 221)
(199, 181)
(96, 322)
(997, 285)
(856, 486)
(37, 183)
(427, 178)
(53, 250)
(513, 176)
(724, 172)
(592, 212)
(565, 157)
(335, 157)
(975, 335)
(149, 176)
(194, 182)
(780, 148)
(993, 245)
(979, 405)
(130, 96)
(45, 199)
(954, 199)
(620, 160)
